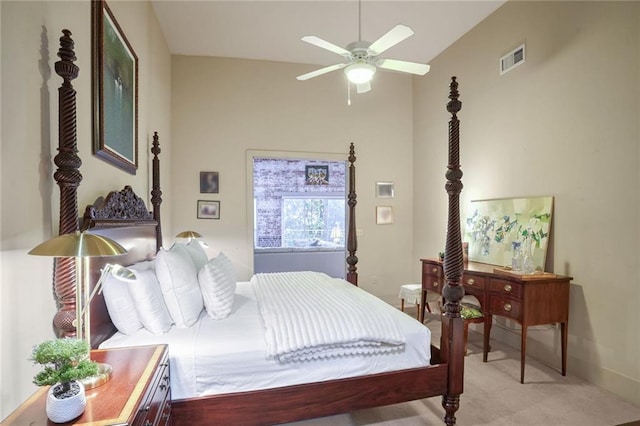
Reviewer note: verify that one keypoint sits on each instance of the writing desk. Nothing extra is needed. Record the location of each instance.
(527, 299)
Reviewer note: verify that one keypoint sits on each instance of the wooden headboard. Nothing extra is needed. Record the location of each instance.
(123, 217)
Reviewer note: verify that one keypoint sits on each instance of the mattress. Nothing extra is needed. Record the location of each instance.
(229, 355)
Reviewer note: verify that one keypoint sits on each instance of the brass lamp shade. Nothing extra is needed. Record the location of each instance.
(78, 244)
(189, 234)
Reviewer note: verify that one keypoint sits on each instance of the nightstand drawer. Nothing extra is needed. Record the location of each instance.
(155, 408)
(505, 287)
(505, 306)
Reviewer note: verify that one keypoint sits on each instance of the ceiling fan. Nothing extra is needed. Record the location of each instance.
(362, 57)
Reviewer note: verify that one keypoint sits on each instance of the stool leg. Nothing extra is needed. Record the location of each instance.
(426, 304)
(418, 313)
(402, 305)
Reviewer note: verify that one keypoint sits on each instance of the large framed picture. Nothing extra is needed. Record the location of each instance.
(493, 226)
(115, 91)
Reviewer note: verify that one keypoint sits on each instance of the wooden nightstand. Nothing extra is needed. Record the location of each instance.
(139, 392)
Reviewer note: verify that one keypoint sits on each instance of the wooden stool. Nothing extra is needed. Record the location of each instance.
(411, 293)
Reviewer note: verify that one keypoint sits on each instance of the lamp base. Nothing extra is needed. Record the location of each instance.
(105, 371)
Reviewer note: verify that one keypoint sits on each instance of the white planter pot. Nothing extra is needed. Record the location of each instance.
(64, 410)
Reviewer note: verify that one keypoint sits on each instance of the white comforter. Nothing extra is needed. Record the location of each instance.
(223, 356)
(309, 315)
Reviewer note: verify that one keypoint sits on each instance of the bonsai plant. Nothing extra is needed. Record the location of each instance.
(65, 362)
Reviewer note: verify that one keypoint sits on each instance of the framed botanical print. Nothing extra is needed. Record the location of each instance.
(115, 91)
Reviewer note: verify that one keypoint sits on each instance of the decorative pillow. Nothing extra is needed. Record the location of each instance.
(179, 282)
(149, 303)
(197, 253)
(120, 305)
(218, 284)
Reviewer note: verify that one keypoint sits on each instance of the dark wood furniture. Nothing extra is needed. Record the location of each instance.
(528, 299)
(444, 377)
(139, 392)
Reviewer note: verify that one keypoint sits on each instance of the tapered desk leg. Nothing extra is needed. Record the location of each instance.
(423, 303)
(563, 334)
(523, 352)
(488, 320)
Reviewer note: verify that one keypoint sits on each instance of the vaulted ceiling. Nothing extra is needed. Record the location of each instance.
(272, 30)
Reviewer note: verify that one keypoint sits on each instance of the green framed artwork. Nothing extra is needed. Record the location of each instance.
(115, 91)
(492, 226)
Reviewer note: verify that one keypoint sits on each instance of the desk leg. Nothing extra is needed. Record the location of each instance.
(488, 320)
(563, 333)
(423, 303)
(523, 352)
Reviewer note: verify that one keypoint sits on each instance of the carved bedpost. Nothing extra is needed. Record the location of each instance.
(352, 240)
(68, 178)
(453, 290)
(156, 193)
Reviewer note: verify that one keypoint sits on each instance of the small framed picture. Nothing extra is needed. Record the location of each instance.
(209, 183)
(208, 209)
(316, 175)
(384, 189)
(384, 215)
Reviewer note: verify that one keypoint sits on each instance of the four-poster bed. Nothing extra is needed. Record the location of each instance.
(123, 217)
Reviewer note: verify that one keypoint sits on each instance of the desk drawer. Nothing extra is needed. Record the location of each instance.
(472, 281)
(505, 288)
(433, 283)
(433, 270)
(505, 306)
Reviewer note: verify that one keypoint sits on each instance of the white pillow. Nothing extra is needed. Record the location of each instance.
(179, 282)
(149, 303)
(120, 305)
(217, 281)
(197, 253)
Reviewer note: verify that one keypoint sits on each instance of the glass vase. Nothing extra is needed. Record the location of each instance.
(528, 267)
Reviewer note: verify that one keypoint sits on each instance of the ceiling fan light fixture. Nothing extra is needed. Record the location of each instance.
(360, 72)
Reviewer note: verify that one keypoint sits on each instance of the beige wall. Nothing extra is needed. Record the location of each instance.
(564, 123)
(224, 108)
(30, 198)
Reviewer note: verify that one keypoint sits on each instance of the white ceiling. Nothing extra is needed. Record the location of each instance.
(271, 30)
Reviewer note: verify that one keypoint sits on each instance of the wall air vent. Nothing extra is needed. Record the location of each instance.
(512, 59)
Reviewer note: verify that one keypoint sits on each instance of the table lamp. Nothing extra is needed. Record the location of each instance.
(81, 246)
(192, 235)
(189, 235)
(125, 274)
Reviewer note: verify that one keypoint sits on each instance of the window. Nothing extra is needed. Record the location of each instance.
(293, 212)
(313, 221)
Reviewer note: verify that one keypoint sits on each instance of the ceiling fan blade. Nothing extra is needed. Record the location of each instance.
(363, 87)
(403, 66)
(316, 41)
(320, 71)
(390, 39)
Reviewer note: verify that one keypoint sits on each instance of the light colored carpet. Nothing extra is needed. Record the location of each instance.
(493, 396)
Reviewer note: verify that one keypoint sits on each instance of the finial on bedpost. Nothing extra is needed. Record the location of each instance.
(156, 193)
(68, 178)
(352, 239)
(453, 290)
